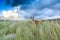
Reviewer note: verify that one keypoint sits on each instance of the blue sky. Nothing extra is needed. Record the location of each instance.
(41, 9)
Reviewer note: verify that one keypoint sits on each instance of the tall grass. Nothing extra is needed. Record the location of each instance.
(26, 30)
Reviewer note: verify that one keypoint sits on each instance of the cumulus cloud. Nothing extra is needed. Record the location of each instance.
(9, 13)
(12, 14)
(46, 13)
(42, 9)
(34, 10)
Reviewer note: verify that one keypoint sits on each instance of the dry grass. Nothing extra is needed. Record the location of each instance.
(26, 30)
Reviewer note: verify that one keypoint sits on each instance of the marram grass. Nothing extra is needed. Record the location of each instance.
(26, 30)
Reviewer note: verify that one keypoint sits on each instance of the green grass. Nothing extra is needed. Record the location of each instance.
(26, 30)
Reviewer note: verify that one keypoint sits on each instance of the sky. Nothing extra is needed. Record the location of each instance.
(40, 9)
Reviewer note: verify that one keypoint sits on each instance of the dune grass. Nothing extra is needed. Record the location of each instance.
(26, 30)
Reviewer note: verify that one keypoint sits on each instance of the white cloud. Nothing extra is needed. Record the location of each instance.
(12, 14)
(9, 13)
(56, 6)
(48, 13)
(45, 13)
(52, 17)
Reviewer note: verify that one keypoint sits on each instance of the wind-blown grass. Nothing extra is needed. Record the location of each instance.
(26, 30)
